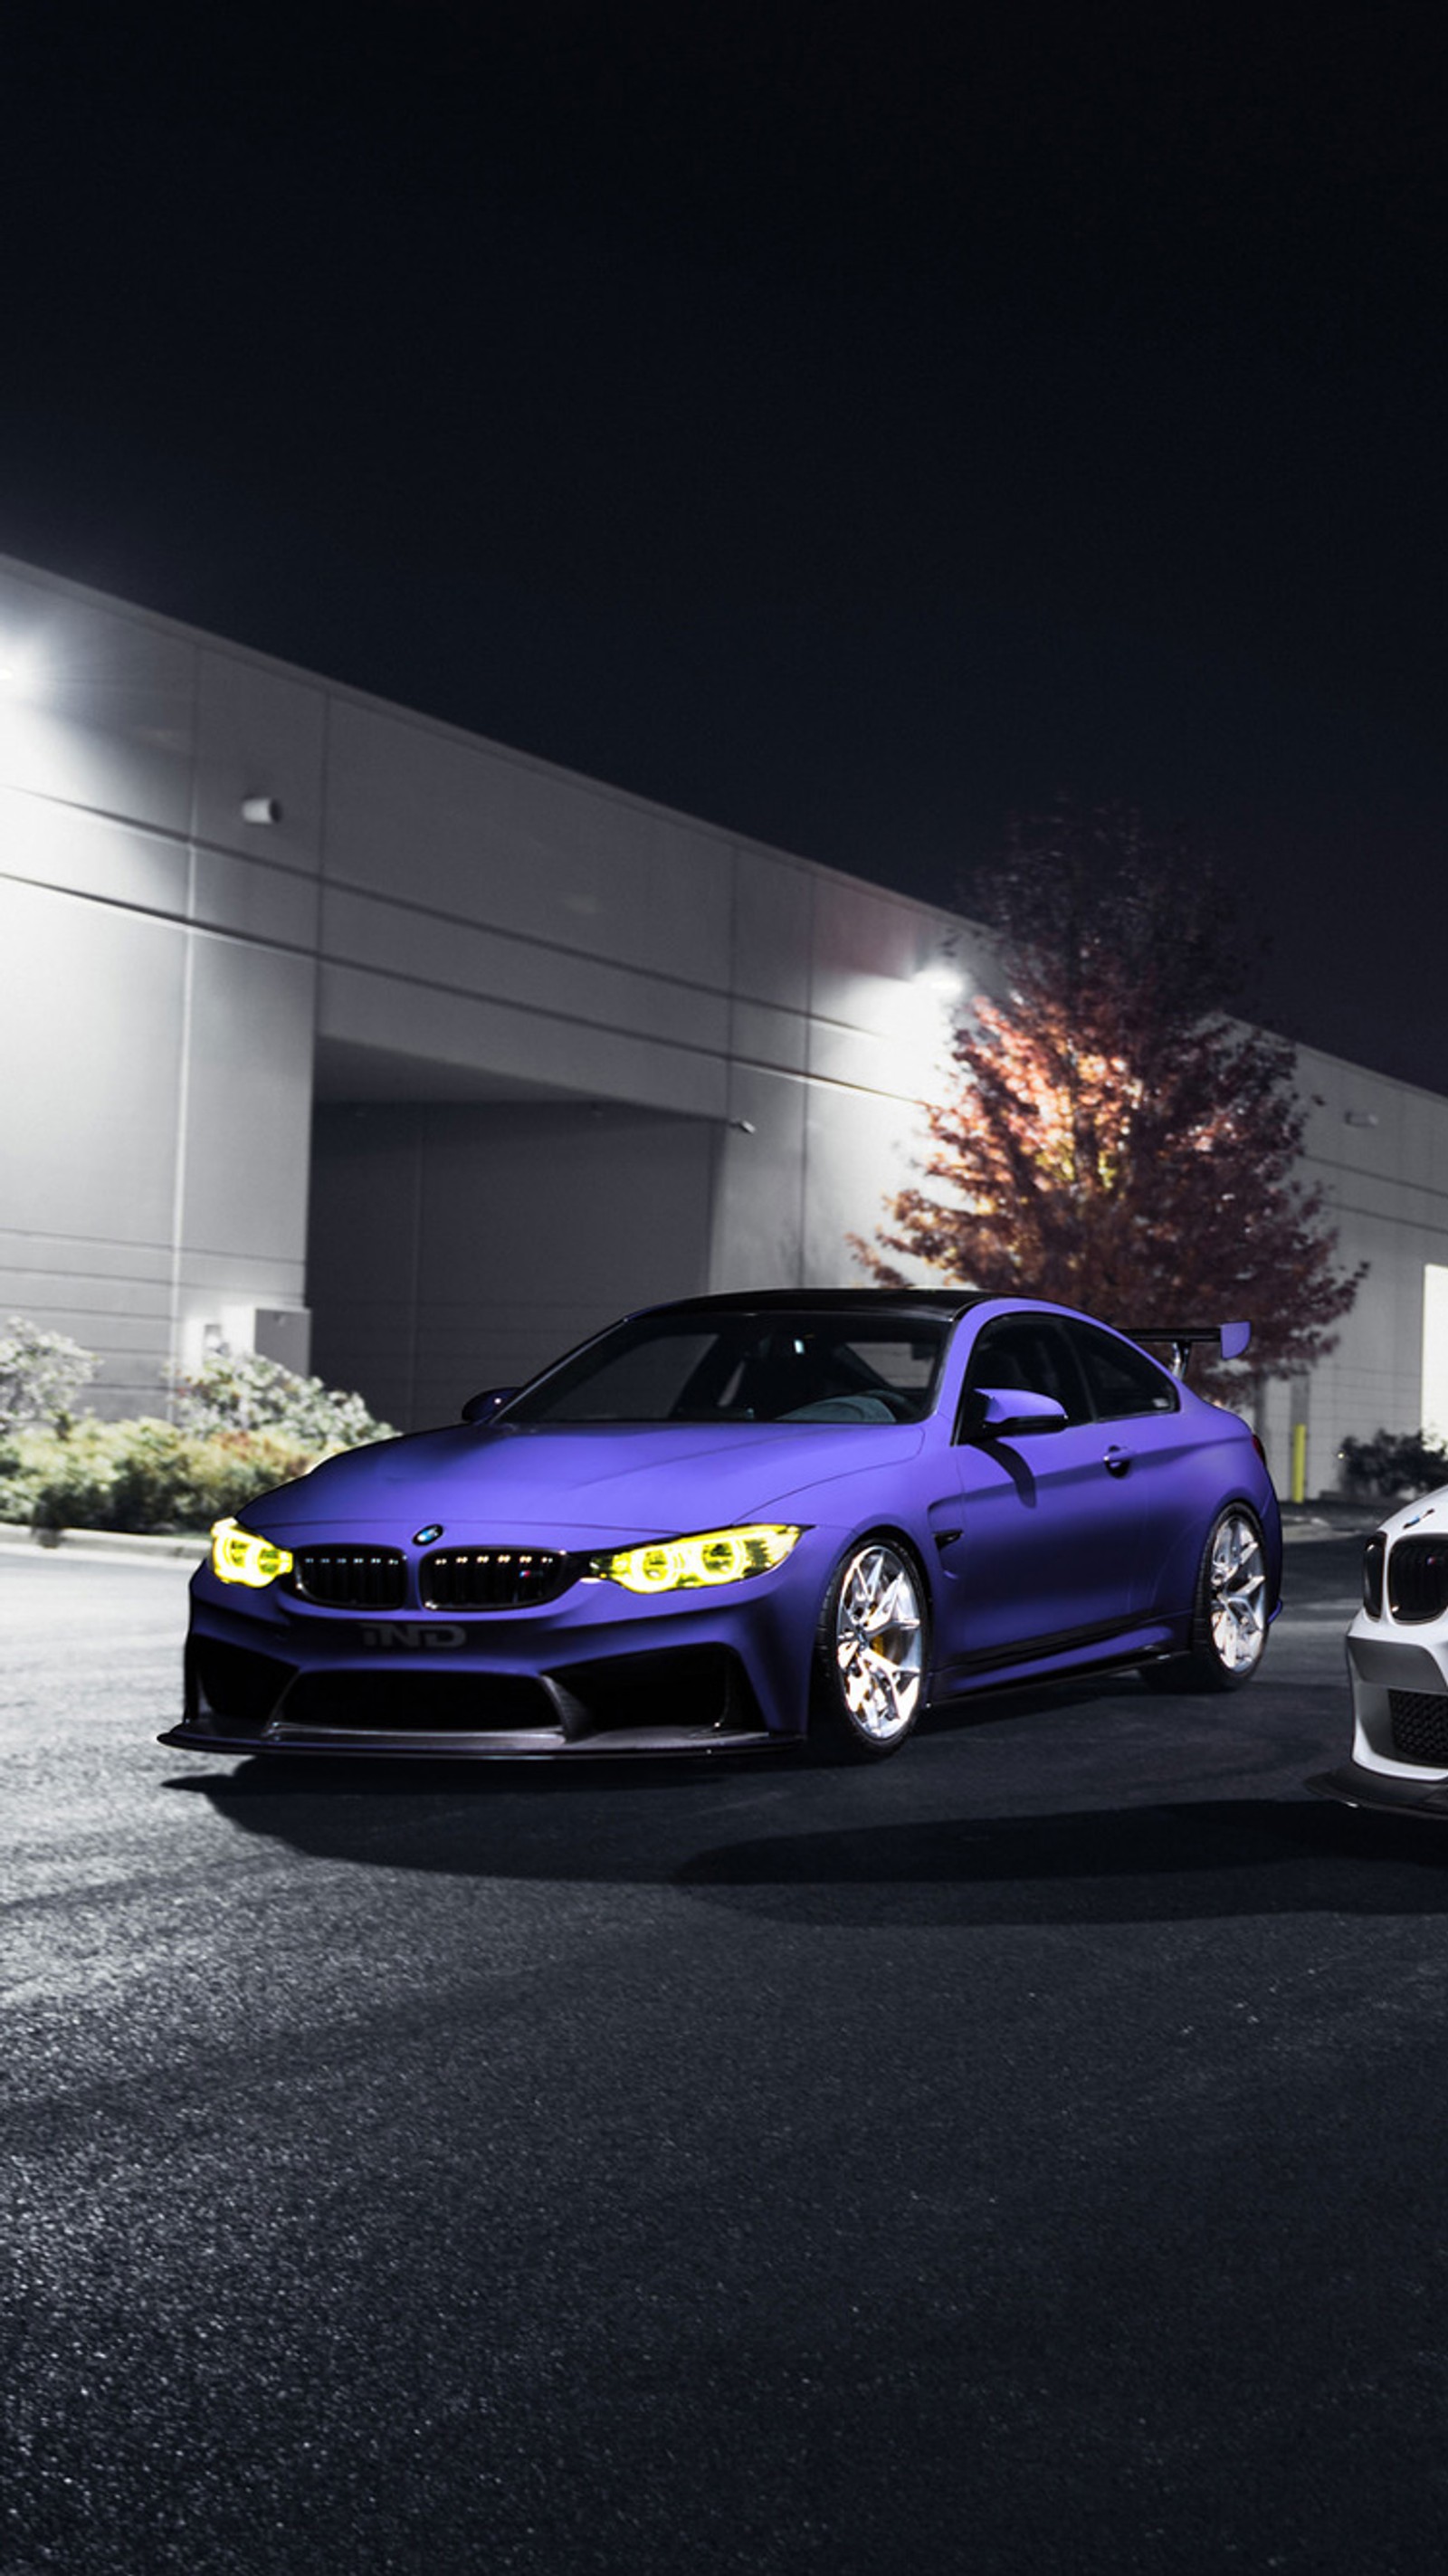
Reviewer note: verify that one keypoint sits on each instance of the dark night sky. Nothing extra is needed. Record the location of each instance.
(853, 425)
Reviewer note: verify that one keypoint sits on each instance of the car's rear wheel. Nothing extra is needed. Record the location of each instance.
(871, 1653)
(1229, 1612)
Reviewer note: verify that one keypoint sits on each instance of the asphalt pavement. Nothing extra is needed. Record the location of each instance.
(1025, 2156)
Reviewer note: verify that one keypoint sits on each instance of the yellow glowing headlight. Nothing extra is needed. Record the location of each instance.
(239, 1556)
(715, 1556)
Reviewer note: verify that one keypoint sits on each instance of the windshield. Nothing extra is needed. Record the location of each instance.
(739, 1367)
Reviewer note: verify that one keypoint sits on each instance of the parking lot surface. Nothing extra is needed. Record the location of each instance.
(1023, 2156)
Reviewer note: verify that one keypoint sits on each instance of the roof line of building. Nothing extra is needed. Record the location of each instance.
(113, 605)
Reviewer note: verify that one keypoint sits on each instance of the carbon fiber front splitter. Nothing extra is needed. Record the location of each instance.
(1355, 1786)
(519, 1744)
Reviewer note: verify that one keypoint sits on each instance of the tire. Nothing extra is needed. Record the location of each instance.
(1229, 1611)
(872, 1652)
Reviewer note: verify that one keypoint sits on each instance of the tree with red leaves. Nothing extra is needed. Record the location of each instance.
(1113, 1137)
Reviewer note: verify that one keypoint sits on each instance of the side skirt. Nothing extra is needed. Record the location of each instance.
(1075, 1650)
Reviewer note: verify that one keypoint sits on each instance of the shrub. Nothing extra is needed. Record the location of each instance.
(244, 1424)
(1393, 1464)
(41, 1374)
(236, 1391)
(141, 1475)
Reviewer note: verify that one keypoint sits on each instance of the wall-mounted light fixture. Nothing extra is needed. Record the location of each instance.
(1359, 1118)
(942, 978)
(260, 809)
(19, 669)
(745, 1126)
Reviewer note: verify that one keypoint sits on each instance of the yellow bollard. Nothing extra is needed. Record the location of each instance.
(1299, 1462)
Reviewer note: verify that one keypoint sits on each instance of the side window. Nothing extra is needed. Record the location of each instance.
(1028, 1351)
(1122, 1381)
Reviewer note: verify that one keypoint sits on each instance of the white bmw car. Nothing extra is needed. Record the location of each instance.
(1397, 1661)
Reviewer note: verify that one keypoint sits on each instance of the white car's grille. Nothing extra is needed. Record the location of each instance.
(1420, 1727)
(1418, 1579)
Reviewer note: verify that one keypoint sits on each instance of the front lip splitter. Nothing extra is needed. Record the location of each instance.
(1354, 1785)
(497, 1745)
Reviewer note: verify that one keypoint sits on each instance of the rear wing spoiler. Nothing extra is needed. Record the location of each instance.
(1231, 1340)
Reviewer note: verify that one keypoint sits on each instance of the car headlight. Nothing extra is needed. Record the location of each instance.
(239, 1556)
(714, 1556)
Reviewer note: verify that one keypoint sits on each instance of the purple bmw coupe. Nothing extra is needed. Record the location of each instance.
(745, 1521)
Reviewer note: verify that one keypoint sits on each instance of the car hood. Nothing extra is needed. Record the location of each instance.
(573, 1487)
(1428, 1515)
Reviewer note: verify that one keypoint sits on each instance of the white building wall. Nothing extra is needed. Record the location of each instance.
(156, 981)
(604, 1051)
(1379, 1151)
(433, 920)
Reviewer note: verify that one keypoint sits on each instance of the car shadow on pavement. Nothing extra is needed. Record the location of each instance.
(1215, 1857)
(1155, 1862)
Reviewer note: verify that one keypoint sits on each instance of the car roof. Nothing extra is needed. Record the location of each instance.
(815, 1301)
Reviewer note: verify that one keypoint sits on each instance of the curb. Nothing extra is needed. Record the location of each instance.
(19, 1534)
(1322, 1515)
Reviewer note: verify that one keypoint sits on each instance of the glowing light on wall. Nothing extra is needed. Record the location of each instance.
(37, 749)
(20, 668)
(913, 1019)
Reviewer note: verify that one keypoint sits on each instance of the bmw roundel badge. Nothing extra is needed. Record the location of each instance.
(424, 1537)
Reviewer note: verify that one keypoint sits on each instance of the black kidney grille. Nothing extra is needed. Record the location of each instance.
(352, 1578)
(1418, 1579)
(493, 1578)
(1420, 1727)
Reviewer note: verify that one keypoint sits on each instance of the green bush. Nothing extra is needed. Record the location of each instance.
(1393, 1465)
(142, 1475)
(243, 1425)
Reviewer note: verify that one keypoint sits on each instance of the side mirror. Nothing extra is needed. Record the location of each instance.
(481, 1408)
(997, 1412)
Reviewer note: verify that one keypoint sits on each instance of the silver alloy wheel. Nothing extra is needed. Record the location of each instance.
(1237, 1594)
(878, 1642)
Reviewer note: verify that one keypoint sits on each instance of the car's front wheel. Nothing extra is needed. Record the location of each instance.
(1229, 1612)
(871, 1653)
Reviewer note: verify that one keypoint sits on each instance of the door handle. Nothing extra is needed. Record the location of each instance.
(1117, 1461)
